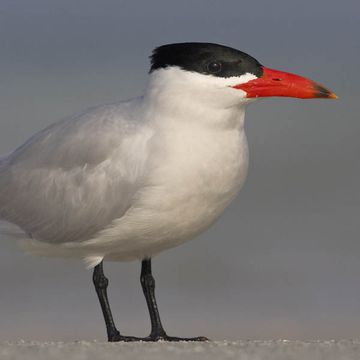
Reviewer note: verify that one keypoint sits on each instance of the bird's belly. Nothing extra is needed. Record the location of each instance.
(186, 201)
(146, 231)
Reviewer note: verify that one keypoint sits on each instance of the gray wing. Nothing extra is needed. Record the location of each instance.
(75, 177)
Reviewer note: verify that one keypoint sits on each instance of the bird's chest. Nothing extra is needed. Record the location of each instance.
(196, 175)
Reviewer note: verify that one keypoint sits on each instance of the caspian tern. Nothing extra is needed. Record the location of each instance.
(125, 181)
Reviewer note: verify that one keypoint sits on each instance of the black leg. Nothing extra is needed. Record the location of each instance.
(101, 283)
(148, 286)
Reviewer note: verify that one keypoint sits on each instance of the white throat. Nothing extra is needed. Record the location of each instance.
(182, 96)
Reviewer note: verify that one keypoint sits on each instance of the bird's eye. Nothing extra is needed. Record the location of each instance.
(214, 67)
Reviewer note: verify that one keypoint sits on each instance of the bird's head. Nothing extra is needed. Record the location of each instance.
(225, 76)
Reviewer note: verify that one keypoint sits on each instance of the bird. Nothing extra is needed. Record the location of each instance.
(127, 180)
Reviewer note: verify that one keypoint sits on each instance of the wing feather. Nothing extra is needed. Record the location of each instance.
(75, 177)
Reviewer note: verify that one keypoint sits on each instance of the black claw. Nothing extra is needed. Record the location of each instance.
(173, 338)
(122, 338)
(155, 338)
(114, 337)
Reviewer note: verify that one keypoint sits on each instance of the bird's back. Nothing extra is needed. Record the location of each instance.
(75, 177)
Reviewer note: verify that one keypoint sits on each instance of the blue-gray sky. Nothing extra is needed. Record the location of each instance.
(284, 261)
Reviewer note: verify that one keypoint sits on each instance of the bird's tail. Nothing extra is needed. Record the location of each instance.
(5, 227)
(4, 159)
(65, 250)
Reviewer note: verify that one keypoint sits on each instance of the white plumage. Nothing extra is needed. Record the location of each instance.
(125, 181)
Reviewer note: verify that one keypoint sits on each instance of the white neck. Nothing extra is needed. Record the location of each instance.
(175, 96)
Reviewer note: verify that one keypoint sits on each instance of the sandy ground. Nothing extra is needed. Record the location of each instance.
(244, 350)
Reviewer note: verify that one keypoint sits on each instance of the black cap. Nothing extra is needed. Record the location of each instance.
(205, 58)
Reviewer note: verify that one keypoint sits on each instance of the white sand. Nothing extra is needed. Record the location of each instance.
(218, 350)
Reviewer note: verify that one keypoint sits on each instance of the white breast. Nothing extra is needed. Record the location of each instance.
(196, 171)
(203, 171)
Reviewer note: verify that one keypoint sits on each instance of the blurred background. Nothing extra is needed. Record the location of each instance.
(284, 260)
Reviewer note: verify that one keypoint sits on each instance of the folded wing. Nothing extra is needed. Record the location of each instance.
(75, 177)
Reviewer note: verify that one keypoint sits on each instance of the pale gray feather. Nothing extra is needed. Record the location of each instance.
(75, 177)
